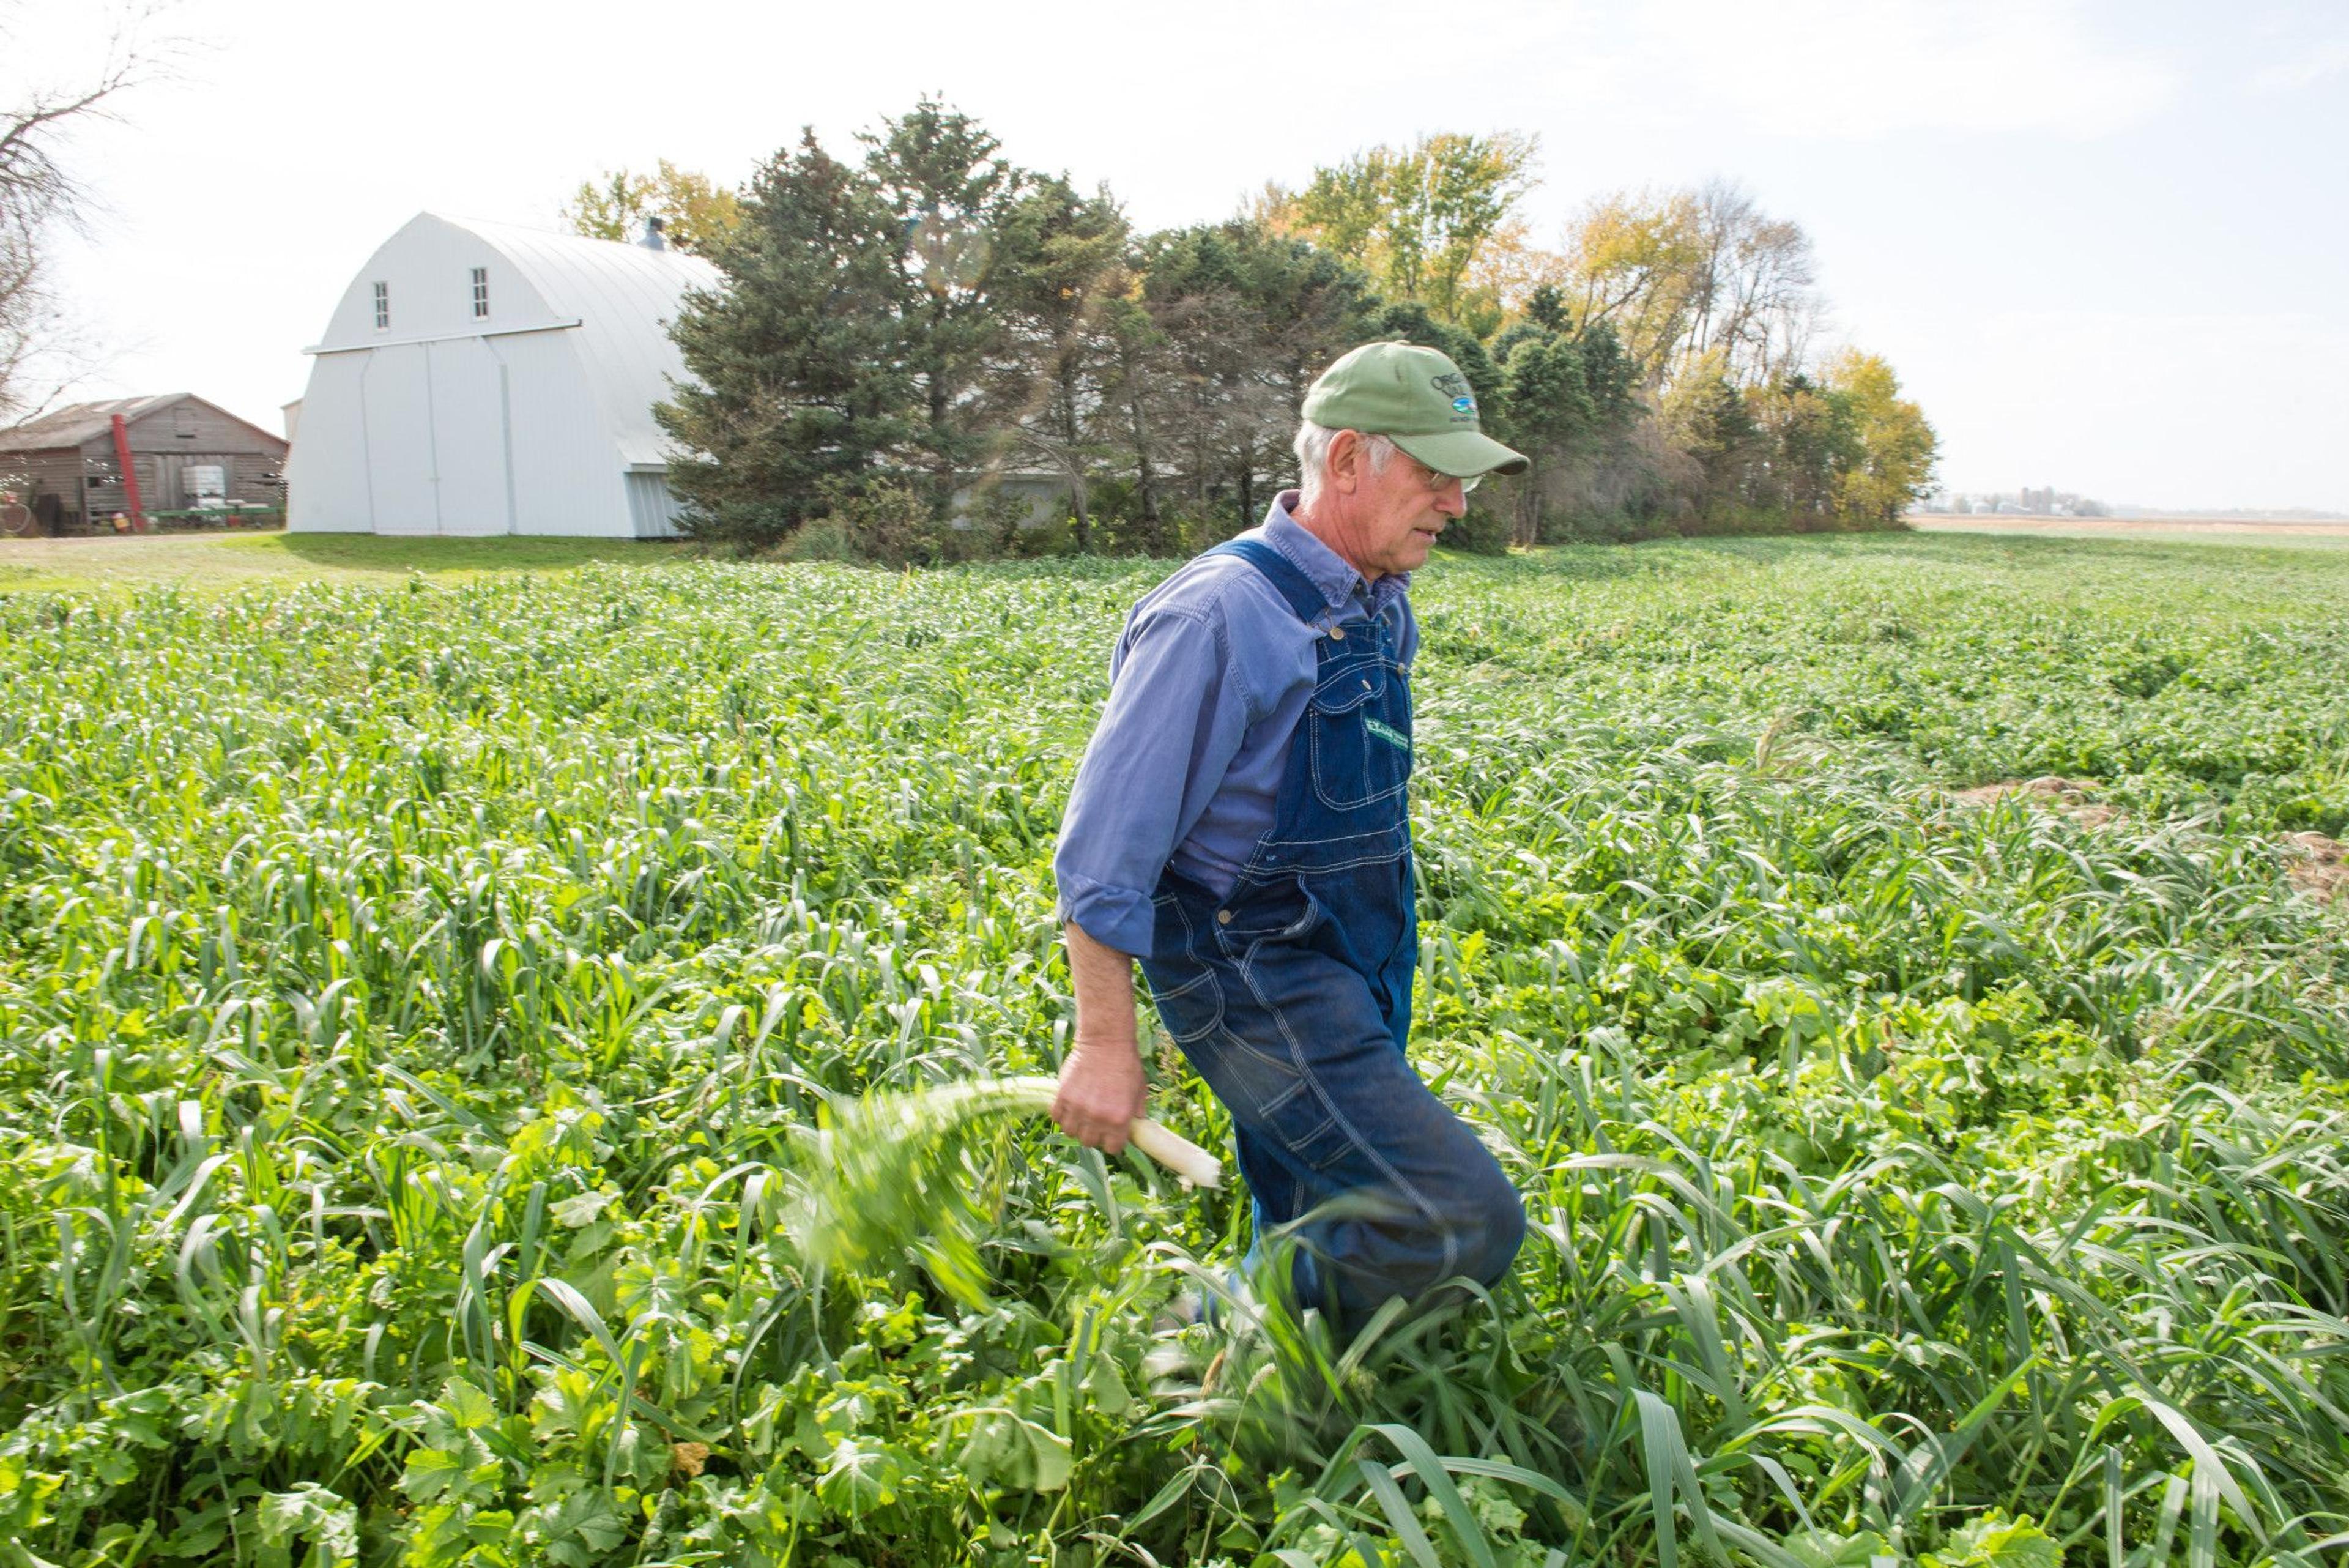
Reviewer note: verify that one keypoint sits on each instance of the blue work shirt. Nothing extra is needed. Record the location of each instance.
(1206, 685)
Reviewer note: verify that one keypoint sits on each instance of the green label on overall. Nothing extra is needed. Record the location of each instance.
(1389, 733)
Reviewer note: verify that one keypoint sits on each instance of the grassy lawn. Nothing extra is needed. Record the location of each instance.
(215, 560)
(2279, 565)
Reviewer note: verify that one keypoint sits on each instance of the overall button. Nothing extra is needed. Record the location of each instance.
(1337, 634)
(1223, 917)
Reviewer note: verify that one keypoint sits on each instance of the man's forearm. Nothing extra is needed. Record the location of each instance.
(1103, 979)
(1101, 1084)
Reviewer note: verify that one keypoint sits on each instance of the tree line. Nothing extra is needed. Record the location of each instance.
(914, 341)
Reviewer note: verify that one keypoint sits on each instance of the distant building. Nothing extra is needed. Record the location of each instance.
(186, 454)
(481, 379)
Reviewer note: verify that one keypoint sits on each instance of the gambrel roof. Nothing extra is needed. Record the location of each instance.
(618, 299)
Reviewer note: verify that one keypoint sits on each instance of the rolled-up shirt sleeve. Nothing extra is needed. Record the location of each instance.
(1178, 709)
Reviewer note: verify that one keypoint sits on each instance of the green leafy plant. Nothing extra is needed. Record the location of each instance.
(897, 1171)
(421, 1012)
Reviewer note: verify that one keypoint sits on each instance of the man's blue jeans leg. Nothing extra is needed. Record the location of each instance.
(1328, 1111)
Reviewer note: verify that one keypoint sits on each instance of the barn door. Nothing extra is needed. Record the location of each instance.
(401, 476)
(469, 437)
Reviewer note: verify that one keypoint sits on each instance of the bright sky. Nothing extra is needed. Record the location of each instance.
(2106, 246)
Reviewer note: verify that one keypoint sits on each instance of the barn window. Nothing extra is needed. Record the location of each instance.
(382, 306)
(480, 292)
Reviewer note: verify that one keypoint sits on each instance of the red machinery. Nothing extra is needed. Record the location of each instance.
(129, 476)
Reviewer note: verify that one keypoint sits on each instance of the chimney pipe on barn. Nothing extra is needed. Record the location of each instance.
(652, 239)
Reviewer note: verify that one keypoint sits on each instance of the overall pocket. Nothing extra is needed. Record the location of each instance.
(1358, 758)
(1183, 983)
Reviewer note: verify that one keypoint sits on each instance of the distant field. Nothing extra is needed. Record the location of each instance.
(2213, 530)
(219, 559)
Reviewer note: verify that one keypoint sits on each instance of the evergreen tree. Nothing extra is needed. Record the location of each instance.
(1717, 444)
(1410, 321)
(1548, 417)
(798, 386)
(1249, 319)
(953, 204)
(1064, 266)
(1809, 444)
(1568, 402)
(895, 333)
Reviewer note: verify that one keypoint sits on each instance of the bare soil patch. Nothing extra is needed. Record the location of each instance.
(2070, 796)
(2318, 865)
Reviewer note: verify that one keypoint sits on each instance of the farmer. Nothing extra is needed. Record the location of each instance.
(1239, 825)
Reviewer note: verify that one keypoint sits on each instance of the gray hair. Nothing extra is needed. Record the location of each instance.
(1313, 442)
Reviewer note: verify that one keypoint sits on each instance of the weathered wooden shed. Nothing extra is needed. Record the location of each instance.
(65, 469)
(482, 379)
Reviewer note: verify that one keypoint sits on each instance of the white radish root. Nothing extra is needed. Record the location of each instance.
(1194, 1166)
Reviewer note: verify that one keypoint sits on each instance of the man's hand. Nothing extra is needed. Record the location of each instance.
(1101, 1085)
(1101, 1091)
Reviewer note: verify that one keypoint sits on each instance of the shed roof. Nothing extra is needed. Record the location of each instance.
(78, 422)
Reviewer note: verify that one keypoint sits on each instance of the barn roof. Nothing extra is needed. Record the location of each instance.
(624, 296)
(619, 299)
(78, 422)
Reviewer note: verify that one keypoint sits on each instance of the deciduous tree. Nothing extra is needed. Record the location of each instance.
(1679, 275)
(1418, 218)
(1634, 260)
(696, 212)
(1897, 447)
(40, 351)
(1753, 297)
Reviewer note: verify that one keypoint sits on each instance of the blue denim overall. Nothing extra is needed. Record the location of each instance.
(1291, 996)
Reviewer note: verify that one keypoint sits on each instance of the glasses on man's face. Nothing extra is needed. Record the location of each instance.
(1438, 482)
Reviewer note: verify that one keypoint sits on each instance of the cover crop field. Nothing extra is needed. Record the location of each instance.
(417, 1004)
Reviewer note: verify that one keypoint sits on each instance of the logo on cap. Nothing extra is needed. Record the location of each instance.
(1463, 405)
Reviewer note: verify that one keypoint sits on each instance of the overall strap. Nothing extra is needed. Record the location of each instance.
(1286, 578)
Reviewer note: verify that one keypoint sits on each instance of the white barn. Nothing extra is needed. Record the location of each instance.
(483, 379)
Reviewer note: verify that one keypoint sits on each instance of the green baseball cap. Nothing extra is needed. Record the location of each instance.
(1418, 399)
